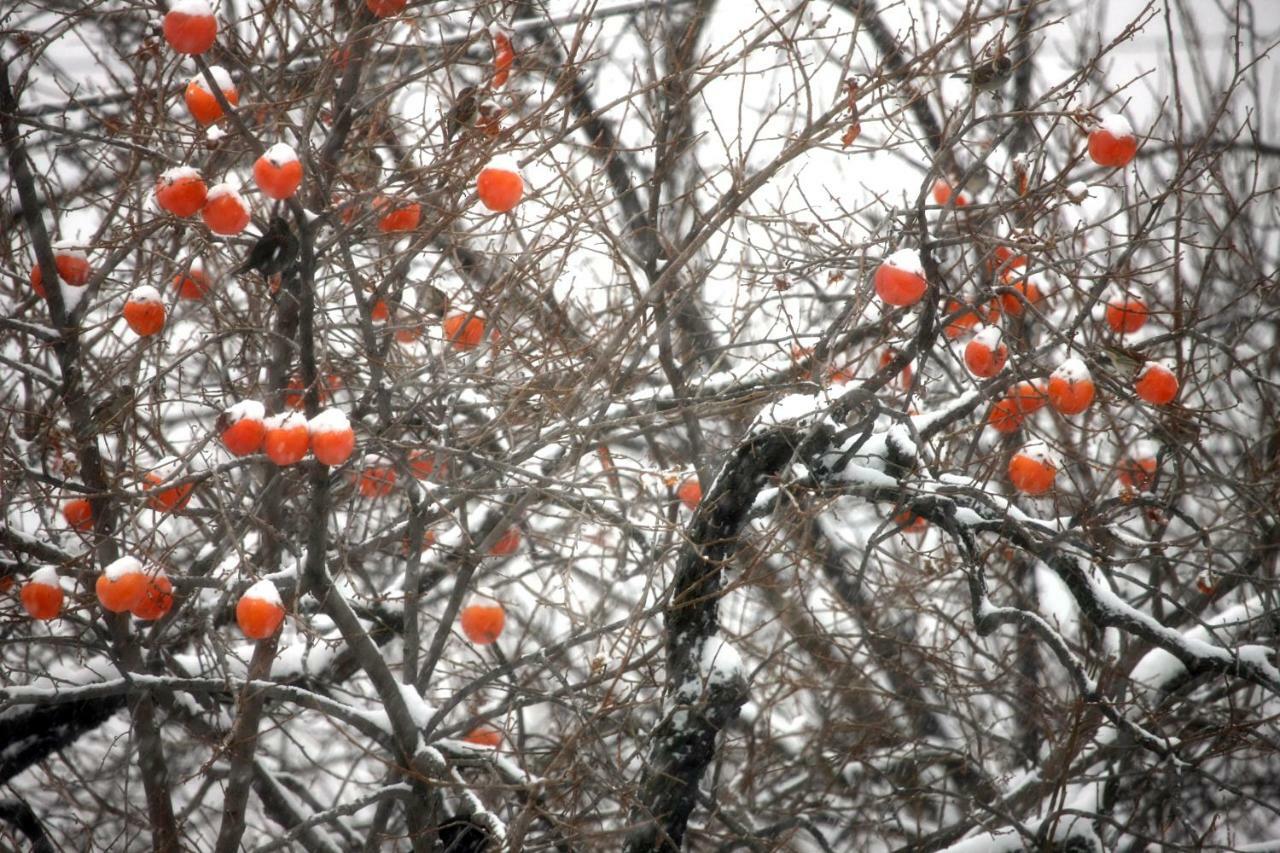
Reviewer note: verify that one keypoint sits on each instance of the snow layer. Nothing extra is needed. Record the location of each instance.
(123, 566)
(330, 420)
(264, 590)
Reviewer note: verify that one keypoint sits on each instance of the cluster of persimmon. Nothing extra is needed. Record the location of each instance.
(126, 586)
(286, 438)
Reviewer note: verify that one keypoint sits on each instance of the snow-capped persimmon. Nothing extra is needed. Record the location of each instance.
(986, 354)
(385, 8)
(286, 438)
(1032, 470)
(157, 597)
(278, 172)
(78, 512)
(1023, 291)
(181, 191)
(71, 263)
(499, 189)
(144, 311)
(380, 312)
(963, 319)
(503, 57)
(397, 216)
(242, 427)
(332, 439)
(507, 544)
(202, 104)
(260, 612)
(121, 585)
(193, 284)
(407, 334)
(1071, 388)
(225, 211)
(171, 499)
(689, 492)
(1137, 472)
(1156, 384)
(377, 477)
(1113, 143)
(899, 280)
(484, 736)
(1126, 316)
(943, 193)
(190, 27)
(42, 594)
(1206, 582)
(464, 330)
(482, 619)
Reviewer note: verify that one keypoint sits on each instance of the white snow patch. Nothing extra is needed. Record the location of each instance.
(1073, 370)
(330, 420)
(220, 76)
(46, 575)
(907, 260)
(121, 567)
(287, 420)
(419, 710)
(720, 662)
(1116, 125)
(245, 410)
(264, 590)
(195, 8)
(280, 154)
(144, 293)
(225, 189)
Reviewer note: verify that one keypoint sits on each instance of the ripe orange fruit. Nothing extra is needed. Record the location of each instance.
(278, 172)
(194, 284)
(181, 191)
(144, 311)
(1113, 143)
(963, 319)
(503, 58)
(942, 193)
(1023, 291)
(157, 597)
(286, 439)
(1004, 258)
(332, 439)
(42, 594)
(507, 545)
(500, 190)
(242, 428)
(1008, 413)
(78, 513)
(1126, 316)
(377, 478)
(202, 104)
(1071, 387)
(482, 619)
(422, 464)
(464, 330)
(166, 500)
(189, 26)
(259, 612)
(986, 353)
(689, 492)
(399, 216)
(1156, 384)
(484, 736)
(1137, 473)
(1032, 470)
(225, 210)
(909, 522)
(379, 312)
(385, 8)
(899, 280)
(121, 585)
(71, 263)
